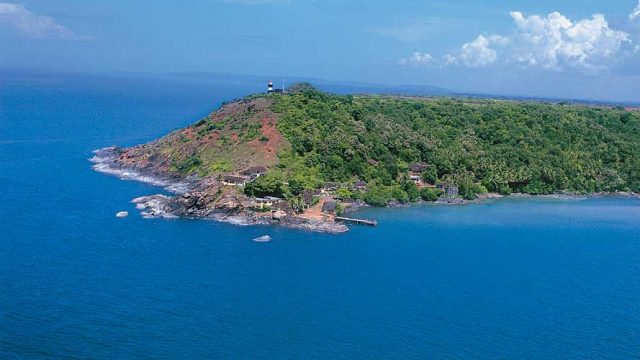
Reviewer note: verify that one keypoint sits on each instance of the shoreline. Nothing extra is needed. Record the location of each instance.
(104, 161)
(482, 198)
(163, 206)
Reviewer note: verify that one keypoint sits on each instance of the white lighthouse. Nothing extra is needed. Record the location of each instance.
(270, 87)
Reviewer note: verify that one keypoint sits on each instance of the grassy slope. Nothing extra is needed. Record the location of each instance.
(239, 135)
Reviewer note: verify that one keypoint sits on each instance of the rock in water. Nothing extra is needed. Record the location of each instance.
(265, 238)
(122, 214)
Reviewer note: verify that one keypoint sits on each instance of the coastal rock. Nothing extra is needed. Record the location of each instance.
(278, 215)
(451, 200)
(154, 206)
(314, 225)
(264, 238)
(489, 196)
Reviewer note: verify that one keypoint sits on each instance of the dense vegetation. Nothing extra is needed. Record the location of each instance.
(480, 145)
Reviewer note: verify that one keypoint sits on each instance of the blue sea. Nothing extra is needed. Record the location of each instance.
(505, 279)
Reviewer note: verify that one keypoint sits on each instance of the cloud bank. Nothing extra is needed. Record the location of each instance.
(553, 42)
(17, 18)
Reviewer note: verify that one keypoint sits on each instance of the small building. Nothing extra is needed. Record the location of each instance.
(360, 185)
(265, 202)
(448, 189)
(254, 172)
(329, 207)
(417, 179)
(232, 180)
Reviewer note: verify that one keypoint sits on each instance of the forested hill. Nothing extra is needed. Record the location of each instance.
(480, 145)
(307, 138)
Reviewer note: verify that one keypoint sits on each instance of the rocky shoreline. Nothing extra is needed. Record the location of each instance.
(189, 201)
(495, 196)
(105, 161)
(162, 206)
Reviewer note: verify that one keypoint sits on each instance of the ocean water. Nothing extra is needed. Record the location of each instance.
(507, 279)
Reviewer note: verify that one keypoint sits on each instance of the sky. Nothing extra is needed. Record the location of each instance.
(588, 49)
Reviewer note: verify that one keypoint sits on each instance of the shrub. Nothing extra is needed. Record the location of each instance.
(430, 194)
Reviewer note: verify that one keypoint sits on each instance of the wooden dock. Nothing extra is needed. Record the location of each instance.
(358, 221)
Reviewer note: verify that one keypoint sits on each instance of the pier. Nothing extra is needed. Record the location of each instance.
(358, 221)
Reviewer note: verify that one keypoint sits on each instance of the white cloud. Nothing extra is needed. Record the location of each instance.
(450, 60)
(553, 42)
(418, 59)
(479, 53)
(635, 14)
(476, 54)
(17, 18)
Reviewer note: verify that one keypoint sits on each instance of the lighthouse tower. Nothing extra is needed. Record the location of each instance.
(270, 87)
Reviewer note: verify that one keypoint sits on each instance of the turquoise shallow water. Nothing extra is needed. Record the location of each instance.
(518, 278)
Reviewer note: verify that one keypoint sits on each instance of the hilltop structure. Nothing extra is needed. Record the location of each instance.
(271, 90)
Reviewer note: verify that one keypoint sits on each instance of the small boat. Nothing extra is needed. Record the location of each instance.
(122, 214)
(265, 238)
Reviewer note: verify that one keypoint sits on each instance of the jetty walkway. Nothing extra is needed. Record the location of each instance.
(358, 221)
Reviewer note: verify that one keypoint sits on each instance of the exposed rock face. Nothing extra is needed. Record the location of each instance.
(154, 206)
(314, 225)
(279, 215)
(191, 204)
(196, 206)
